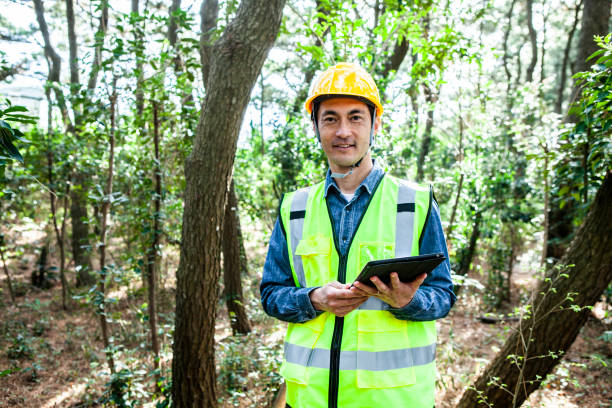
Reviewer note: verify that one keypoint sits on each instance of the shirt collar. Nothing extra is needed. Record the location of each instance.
(367, 184)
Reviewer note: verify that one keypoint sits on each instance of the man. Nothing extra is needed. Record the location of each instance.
(354, 345)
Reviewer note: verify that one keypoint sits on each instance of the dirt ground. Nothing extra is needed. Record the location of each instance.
(52, 358)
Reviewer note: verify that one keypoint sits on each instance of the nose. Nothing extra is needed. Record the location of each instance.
(343, 129)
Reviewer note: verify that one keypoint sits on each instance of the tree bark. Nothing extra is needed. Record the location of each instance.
(173, 34)
(533, 41)
(209, 13)
(235, 62)
(72, 48)
(6, 272)
(152, 255)
(99, 45)
(595, 21)
(55, 63)
(466, 260)
(234, 266)
(564, 64)
(108, 191)
(80, 230)
(506, 55)
(559, 309)
(138, 31)
(451, 223)
(431, 98)
(52, 200)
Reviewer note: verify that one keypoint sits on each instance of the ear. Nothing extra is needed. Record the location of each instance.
(377, 124)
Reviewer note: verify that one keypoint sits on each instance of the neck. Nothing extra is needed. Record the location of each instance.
(349, 184)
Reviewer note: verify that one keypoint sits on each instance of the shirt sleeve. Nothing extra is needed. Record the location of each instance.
(435, 297)
(280, 297)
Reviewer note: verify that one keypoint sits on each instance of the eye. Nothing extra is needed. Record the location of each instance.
(329, 119)
(356, 118)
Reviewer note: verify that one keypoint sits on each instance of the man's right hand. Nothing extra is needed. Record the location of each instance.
(336, 298)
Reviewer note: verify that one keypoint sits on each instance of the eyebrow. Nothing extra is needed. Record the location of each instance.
(333, 112)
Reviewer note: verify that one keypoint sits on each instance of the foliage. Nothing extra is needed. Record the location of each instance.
(9, 134)
(247, 363)
(589, 141)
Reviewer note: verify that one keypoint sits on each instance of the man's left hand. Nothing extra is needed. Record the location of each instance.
(397, 295)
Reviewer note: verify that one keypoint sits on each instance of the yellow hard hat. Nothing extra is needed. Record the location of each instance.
(347, 79)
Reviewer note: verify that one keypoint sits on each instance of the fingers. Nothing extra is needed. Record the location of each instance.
(343, 311)
(366, 290)
(395, 282)
(380, 286)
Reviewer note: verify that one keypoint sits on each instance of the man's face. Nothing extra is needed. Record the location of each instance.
(344, 127)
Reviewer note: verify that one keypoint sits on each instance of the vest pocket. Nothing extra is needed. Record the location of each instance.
(300, 344)
(374, 250)
(384, 356)
(315, 251)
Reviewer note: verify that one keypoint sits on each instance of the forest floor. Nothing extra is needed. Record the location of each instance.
(52, 358)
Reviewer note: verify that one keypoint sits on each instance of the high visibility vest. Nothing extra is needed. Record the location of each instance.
(367, 358)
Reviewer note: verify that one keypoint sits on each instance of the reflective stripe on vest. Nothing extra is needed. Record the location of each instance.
(362, 360)
(296, 220)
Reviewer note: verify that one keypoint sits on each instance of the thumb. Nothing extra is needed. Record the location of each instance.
(419, 280)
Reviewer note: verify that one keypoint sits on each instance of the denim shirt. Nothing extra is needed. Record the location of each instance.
(282, 299)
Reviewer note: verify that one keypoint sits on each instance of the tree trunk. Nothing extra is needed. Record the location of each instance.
(138, 31)
(466, 259)
(595, 21)
(234, 64)
(54, 61)
(39, 275)
(173, 34)
(108, 191)
(558, 311)
(451, 223)
(80, 231)
(234, 266)
(565, 63)
(431, 98)
(533, 41)
(6, 272)
(73, 49)
(506, 55)
(52, 200)
(546, 193)
(152, 256)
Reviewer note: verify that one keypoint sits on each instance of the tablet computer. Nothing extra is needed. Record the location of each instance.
(407, 268)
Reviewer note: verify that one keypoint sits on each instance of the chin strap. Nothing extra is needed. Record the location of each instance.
(343, 175)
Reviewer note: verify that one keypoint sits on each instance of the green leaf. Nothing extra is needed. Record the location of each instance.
(596, 53)
(7, 372)
(16, 108)
(9, 148)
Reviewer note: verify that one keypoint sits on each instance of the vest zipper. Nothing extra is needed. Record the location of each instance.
(334, 354)
(334, 363)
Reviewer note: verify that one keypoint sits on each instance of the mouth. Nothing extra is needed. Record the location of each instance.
(343, 146)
